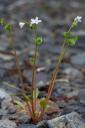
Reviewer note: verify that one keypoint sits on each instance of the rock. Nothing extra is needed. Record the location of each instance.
(7, 65)
(11, 109)
(41, 78)
(23, 118)
(75, 4)
(2, 112)
(79, 33)
(71, 120)
(61, 89)
(9, 85)
(6, 57)
(2, 73)
(42, 124)
(72, 73)
(5, 99)
(8, 107)
(61, 104)
(4, 42)
(7, 124)
(4, 95)
(27, 126)
(18, 4)
(82, 96)
(78, 59)
(72, 93)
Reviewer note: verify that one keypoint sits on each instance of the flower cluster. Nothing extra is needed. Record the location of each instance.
(33, 21)
(69, 38)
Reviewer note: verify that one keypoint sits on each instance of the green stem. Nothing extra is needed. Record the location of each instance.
(55, 72)
(34, 82)
(54, 76)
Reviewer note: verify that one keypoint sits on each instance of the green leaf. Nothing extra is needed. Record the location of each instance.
(19, 104)
(2, 22)
(72, 41)
(26, 98)
(67, 34)
(8, 27)
(38, 41)
(43, 103)
(35, 92)
(32, 60)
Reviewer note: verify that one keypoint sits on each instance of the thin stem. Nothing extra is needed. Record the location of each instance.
(29, 108)
(17, 64)
(54, 76)
(20, 74)
(42, 114)
(55, 72)
(34, 82)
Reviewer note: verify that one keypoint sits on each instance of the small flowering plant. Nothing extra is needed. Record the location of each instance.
(31, 103)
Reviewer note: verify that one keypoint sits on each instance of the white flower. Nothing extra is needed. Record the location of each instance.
(21, 24)
(78, 19)
(35, 21)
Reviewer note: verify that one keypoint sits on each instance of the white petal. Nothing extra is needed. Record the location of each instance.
(21, 24)
(32, 20)
(39, 21)
(35, 21)
(78, 19)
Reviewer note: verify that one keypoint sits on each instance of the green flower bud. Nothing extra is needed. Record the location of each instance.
(8, 27)
(43, 103)
(38, 41)
(2, 22)
(32, 60)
